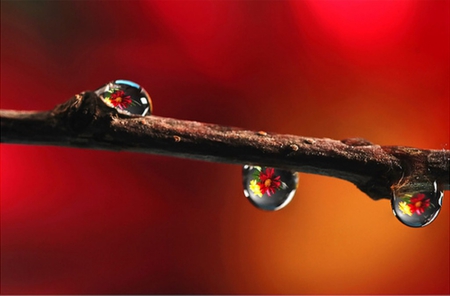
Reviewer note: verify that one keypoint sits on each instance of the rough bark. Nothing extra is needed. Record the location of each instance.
(86, 122)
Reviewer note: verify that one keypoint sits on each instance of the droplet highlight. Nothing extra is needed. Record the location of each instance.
(416, 203)
(269, 188)
(126, 97)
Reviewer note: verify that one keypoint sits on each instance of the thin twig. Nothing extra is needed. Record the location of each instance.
(86, 122)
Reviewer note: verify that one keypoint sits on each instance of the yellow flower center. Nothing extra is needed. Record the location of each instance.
(119, 99)
(418, 204)
(267, 182)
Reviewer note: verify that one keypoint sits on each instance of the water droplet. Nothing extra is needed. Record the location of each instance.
(126, 96)
(416, 203)
(269, 188)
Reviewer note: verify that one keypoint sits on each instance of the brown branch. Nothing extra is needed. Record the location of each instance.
(86, 122)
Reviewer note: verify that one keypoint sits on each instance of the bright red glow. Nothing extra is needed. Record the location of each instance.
(206, 30)
(363, 23)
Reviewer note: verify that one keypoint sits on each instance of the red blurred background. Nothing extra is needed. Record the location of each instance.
(79, 221)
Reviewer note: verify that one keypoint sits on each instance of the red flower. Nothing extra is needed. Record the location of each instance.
(118, 98)
(268, 183)
(418, 204)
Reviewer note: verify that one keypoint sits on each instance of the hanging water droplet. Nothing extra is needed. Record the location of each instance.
(269, 188)
(126, 96)
(417, 202)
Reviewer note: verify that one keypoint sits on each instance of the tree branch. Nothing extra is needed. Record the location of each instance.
(86, 122)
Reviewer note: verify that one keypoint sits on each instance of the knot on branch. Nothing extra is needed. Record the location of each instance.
(377, 188)
(82, 110)
(419, 163)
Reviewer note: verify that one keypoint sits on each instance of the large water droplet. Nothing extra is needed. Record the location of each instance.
(269, 188)
(126, 96)
(416, 203)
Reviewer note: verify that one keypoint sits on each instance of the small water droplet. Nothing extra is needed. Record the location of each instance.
(269, 188)
(416, 203)
(126, 96)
